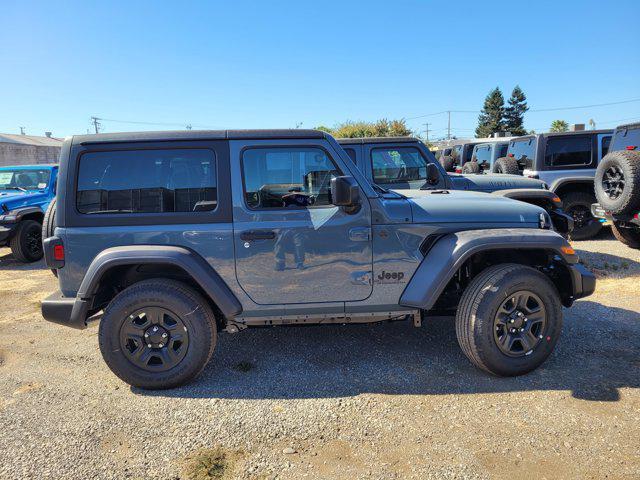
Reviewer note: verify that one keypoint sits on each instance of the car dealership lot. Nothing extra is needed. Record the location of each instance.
(360, 401)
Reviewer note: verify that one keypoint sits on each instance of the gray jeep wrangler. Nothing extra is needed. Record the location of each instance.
(168, 238)
(617, 185)
(567, 163)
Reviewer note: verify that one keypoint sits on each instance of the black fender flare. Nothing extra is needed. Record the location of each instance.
(527, 194)
(192, 263)
(450, 252)
(21, 212)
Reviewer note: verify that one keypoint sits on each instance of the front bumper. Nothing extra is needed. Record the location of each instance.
(70, 312)
(6, 231)
(584, 282)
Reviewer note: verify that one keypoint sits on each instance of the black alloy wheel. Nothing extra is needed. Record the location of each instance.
(519, 324)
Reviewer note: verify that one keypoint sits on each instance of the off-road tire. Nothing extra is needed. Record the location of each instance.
(627, 200)
(24, 240)
(471, 167)
(447, 162)
(184, 302)
(630, 236)
(479, 305)
(49, 221)
(507, 165)
(578, 205)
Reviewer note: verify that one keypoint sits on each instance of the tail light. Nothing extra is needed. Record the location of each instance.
(511, 155)
(53, 252)
(631, 147)
(458, 170)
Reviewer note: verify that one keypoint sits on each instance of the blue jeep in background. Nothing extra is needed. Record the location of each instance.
(25, 194)
(175, 236)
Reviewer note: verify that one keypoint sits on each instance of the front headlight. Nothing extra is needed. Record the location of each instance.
(544, 221)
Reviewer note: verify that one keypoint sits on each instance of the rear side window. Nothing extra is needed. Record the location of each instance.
(523, 151)
(626, 137)
(352, 154)
(568, 151)
(605, 143)
(147, 181)
(502, 150)
(397, 164)
(287, 177)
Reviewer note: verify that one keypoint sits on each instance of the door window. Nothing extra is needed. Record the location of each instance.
(287, 177)
(352, 154)
(568, 151)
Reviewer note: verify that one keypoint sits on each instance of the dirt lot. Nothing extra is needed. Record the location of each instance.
(379, 401)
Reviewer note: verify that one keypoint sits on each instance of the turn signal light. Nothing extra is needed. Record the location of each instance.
(568, 250)
(557, 199)
(58, 252)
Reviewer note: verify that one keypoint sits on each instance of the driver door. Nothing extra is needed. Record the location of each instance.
(292, 245)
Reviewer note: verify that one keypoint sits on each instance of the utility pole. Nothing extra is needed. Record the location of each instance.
(189, 127)
(449, 125)
(427, 130)
(96, 124)
(22, 131)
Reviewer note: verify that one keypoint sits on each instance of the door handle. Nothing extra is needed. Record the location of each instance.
(258, 235)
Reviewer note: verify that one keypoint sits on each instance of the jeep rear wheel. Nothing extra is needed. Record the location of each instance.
(629, 235)
(578, 205)
(157, 334)
(26, 243)
(509, 319)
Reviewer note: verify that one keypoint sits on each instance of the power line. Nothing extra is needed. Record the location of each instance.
(186, 125)
(556, 109)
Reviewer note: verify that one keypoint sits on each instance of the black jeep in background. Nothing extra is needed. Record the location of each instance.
(617, 185)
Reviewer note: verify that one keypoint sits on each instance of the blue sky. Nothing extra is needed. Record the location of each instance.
(278, 64)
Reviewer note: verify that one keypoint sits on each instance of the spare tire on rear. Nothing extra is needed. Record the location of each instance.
(471, 167)
(447, 162)
(617, 182)
(49, 221)
(507, 165)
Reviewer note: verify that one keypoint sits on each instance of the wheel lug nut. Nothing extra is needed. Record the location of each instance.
(512, 321)
(164, 335)
(155, 329)
(149, 345)
(522, 329)
(160, 345)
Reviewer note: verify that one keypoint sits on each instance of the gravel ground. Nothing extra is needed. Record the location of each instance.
(368, 401)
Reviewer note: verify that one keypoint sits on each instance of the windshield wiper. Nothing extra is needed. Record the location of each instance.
(16, 188)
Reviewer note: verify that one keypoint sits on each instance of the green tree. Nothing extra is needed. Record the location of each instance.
(559, 126)
(380, 128)
(514, 113)
(491, 117)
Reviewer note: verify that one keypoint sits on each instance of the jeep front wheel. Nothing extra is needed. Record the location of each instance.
(157, 334)
(509, 319)
(26, 243)
(578, 205)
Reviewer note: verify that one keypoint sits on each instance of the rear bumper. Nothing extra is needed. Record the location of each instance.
(584, 282)
(599, 212)
(70, 312)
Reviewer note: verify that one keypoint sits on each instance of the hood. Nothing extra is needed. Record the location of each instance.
(492, 182)
(16, 198)
(430, 206)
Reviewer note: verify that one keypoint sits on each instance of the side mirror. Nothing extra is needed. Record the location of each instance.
(433, 174)
(345, 192)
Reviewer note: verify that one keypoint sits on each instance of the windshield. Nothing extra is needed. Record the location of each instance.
(23, 179)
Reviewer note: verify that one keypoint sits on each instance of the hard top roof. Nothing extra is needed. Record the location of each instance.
(557, 134)
(362, 140)
(629, 126)
(160, 136)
